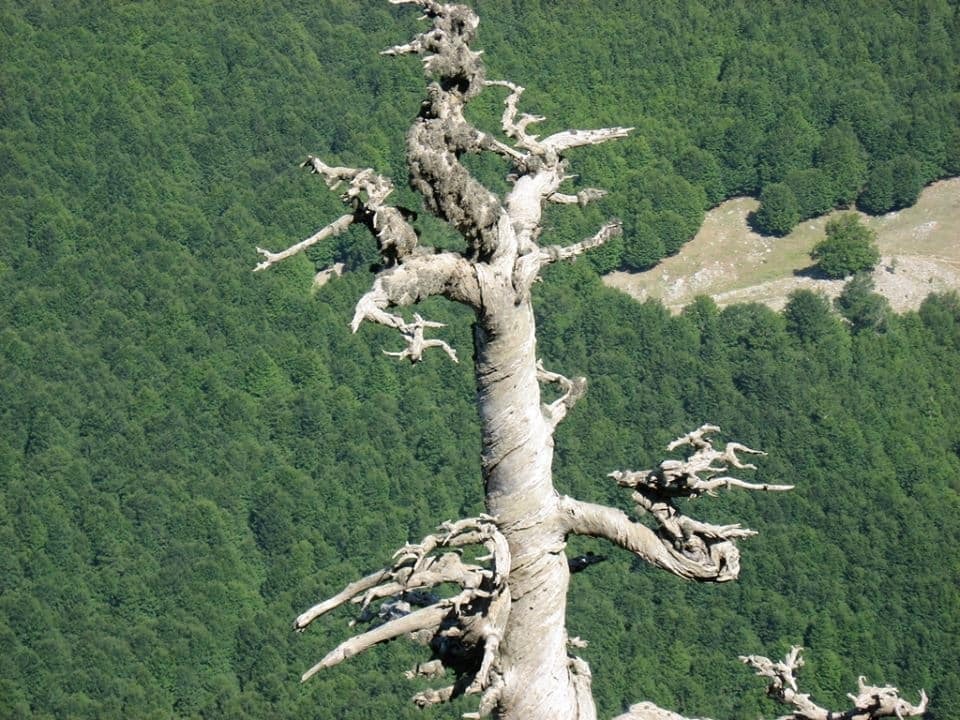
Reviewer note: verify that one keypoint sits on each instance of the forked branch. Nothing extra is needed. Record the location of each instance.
(512, 126)
(416, 344)
(419, 277)
(869, 702)
(554, 145)
(572, 391)
(680, 544)
(464, 629)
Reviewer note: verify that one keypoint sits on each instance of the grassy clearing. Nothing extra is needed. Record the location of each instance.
(726, 260)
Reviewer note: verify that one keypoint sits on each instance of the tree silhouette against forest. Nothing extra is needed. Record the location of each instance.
(501, 631)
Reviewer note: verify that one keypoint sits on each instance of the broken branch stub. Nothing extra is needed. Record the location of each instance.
(572, 390)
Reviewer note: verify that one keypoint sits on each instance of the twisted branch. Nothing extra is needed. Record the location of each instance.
(869, 702)
(720, 562)
(681, 478)
(573, 390)
(416, 344)
(464, 630)
(681, 545)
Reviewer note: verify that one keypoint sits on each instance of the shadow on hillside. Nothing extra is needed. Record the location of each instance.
(812, 272)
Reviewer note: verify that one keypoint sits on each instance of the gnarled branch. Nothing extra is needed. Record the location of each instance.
(419, 277)
(365, 194)
(682, 478)
(573, 390)
(869, 702)
(464, 630)
(416, 344)
(447, 44)
(555, 253)
(681, 545)
(717, 562)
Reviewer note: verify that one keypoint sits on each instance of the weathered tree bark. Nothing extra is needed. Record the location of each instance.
(503, 634)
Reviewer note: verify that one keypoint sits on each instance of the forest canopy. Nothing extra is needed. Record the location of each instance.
(187, 451)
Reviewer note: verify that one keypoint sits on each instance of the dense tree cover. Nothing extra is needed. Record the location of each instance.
(861, 306)
(849, 247)
(830, 99)
(892, 184)
(189, 454)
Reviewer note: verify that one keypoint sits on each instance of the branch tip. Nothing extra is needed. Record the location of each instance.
(572, 391)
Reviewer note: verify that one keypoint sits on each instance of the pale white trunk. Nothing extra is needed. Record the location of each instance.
(517, 458)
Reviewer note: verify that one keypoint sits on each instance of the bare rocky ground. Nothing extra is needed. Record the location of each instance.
(730, 263)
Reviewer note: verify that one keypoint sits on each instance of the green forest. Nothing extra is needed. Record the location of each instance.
(191, 454)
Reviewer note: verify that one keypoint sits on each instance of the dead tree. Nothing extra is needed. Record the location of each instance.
(502, 635)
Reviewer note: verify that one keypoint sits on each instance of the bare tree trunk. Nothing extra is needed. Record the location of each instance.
(517, 459)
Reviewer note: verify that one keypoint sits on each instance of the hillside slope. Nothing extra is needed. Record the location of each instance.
(730, 263)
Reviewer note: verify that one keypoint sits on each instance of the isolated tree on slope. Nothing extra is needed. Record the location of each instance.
(503, 636)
